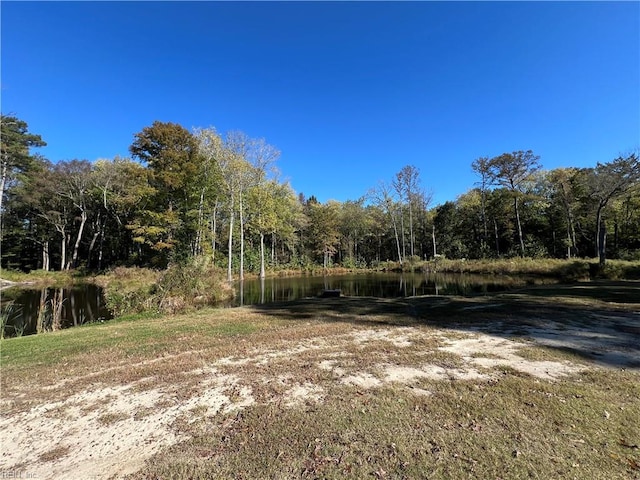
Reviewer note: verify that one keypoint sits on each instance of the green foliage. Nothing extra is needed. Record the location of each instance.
(15, 144)
(179, 288)
(616, 270)
(200, 193)
(193, 285)
(129, 290)
(171, 152)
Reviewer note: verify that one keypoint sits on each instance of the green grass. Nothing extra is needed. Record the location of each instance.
(42, 277)
(141, 335)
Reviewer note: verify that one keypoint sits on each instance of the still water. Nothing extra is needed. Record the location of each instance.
(29, 311)
(381, 285)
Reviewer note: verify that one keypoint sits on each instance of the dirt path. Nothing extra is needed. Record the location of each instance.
(108, 431)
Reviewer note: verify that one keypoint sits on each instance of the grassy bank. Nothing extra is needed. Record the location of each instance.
(42, 277)
(346, 387)
(562, 269)
(179, 288)
(567, 270)
(576, 269)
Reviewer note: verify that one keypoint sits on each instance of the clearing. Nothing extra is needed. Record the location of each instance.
(542, 383)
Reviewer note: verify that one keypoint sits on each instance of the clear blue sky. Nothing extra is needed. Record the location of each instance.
(350, 92)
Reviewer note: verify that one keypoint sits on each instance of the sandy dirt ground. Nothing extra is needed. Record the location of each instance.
(106, 431)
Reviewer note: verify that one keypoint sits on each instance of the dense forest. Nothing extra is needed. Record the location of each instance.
(186, 194)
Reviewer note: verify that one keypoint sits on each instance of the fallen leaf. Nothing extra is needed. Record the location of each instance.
(634, 463)
(627, 444)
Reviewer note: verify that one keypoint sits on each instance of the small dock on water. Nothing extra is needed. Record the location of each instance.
(335, 293)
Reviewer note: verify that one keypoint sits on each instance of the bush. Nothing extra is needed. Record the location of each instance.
(128, 290)
(193, 285)
(179, 288)
(616, 270)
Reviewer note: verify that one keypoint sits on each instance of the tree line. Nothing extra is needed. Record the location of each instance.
(200, 193)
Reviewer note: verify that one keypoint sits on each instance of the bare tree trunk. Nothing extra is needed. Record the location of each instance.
(411, 239)
(92, 245)
(198, 242)
(45, 256)
(515, 203)
(395, 231)
(63, 246)
(214, 230)
(433, 237)
(241, 218)
(571, 232)
(601, 237)
(484, 221)
(98, 225)
(495, 230)
(262, 272)
(229, 276)
(101, 248)
(74, 259)
(355, 247)
(404, 246)
(273, 249)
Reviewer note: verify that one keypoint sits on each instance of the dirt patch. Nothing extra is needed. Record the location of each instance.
(110, 430)
(504, 352)
(118, 446)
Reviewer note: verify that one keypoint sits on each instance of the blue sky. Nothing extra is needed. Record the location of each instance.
(350, 92)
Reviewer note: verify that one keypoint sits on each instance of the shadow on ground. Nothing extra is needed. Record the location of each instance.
(597, 321)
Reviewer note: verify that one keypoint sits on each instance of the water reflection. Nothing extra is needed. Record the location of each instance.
(381, 285)
(30, 311)
(26, 312)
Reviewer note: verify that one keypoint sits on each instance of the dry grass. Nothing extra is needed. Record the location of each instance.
(509, 428)
(111, 418)
(54, 454)
(356, 388)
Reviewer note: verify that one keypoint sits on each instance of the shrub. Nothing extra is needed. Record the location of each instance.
(192, 285)
(128, 290)
(179, 288)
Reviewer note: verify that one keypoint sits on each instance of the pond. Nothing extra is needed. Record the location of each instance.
(26, 311)
(381, 285)
(29, 311)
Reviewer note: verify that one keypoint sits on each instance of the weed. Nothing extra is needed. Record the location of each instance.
(5, 315)
(111, 418)
(55, 454)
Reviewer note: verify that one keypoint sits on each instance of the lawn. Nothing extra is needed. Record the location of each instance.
(537, 383)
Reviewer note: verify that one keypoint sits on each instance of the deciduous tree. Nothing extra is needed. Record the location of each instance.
(171, 152)
(606, 182)
(511, 170)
